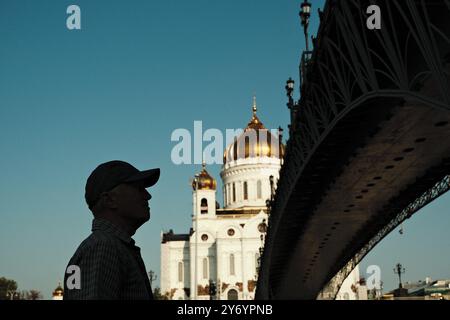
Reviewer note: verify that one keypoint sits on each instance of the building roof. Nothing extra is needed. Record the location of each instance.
(422, 288)
(170, 236)
(204, 181)
(58, 292)
(256, 141)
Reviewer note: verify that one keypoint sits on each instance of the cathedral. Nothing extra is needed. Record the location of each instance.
(220, 255)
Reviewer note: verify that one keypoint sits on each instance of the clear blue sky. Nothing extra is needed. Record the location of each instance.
(116, 89)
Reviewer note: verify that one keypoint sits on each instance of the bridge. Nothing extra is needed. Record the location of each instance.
(369, 142)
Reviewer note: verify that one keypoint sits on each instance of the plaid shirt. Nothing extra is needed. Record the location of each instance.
(111, 266)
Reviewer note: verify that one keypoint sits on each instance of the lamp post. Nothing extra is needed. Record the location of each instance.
(289, 90)
(212, 290)
(261, 251)
(381, 289)
(292, 106)
(399, 270)
(272, 189)
(305, 14)
(152, 277)
(196, 236)
(280, 145)
(219, 289)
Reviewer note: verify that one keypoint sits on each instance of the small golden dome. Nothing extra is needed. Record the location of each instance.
(204, 181)
(255, 141)
(59, 291)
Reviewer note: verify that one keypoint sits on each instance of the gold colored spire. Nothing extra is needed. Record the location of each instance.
(242, 148)
(254, 123)
(204, 181)
(59, 291)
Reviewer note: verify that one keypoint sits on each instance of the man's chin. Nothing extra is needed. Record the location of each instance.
(147, 216)
(143, 218)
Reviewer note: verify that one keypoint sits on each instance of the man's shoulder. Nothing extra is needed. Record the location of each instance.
(97, 240)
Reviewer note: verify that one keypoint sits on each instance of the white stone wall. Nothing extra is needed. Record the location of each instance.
(244, 244)
(172, 253)
(165, 273)
(249, 170)
(346, 292)
(210, 196)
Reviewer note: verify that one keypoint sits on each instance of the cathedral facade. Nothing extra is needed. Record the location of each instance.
(219, 256)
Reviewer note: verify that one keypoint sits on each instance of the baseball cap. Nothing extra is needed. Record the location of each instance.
(110, 174)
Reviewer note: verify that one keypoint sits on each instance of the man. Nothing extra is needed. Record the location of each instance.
(110, 266)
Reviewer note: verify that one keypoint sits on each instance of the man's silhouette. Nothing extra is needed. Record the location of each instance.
(110, 264)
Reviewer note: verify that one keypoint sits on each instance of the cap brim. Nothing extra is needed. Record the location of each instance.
(147, 177)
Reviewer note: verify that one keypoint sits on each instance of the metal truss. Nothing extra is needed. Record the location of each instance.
(332, 288)
(351, 66)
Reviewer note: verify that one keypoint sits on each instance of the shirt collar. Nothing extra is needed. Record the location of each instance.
(109, 227)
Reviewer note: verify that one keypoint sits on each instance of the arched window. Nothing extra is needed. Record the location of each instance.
(225, 195)
(258, 189)
(232, 271)
(204, 206)
(245, 190)
(180, 271)
(269, 143)
(257, 262)
(247, 147)
(232, 295)
(234, 192)
(205, 268)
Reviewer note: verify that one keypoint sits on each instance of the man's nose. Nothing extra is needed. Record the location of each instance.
(147, 195)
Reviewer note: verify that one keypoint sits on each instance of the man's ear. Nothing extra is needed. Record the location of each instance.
(110, 200)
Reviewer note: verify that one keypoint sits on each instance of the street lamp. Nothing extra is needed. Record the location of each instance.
(196, 235)
(305, 14)
(399, 270)
(152, 277)
(219, 288)
(212, 290)
(263, 229)
(261, 249)
(292, 106)
(272, 188)
(280, 145)
(289, 87)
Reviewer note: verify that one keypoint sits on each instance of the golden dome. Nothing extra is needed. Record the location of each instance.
(204, 181)
(59, 291)
(255, 141)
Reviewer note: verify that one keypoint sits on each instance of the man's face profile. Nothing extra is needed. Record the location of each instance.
(129, 201)
(132, 202)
